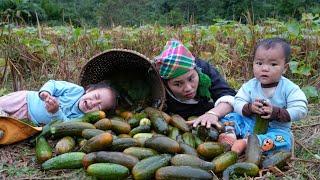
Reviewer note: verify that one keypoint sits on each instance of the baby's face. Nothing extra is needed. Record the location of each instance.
(97, 99)
(269, 64)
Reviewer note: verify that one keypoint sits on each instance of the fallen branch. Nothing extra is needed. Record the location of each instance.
(305, 148)
(276, 170)
(53, 177)
(303, 126)
(306, 160)
(308, 175)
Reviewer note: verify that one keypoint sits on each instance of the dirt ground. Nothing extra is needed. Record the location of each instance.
(17, 161)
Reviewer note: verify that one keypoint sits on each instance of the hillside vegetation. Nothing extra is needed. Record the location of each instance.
(30, 56)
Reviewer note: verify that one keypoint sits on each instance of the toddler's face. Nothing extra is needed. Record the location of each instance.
(97, 99)
(269, 64)
(185, 86)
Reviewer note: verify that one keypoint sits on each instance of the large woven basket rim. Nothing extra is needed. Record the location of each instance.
(112, 50)
(120, 50)
(104, 53)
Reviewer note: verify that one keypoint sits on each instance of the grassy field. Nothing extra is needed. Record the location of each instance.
(29, 56)
(17, 161)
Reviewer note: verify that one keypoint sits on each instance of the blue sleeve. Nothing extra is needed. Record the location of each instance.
(297, 104)
(60, 115)
(242, 97)
(67, 93)
(219, 87)
(59, 88)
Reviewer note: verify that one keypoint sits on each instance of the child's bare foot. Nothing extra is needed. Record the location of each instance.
(239, 146)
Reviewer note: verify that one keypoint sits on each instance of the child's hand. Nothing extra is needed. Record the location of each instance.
(262, 107)
(267, 110)
(52, 105)
(256, 107)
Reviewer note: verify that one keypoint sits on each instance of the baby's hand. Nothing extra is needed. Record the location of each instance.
(256, 107)
(51, 103)
(267, 110)
(262, 107)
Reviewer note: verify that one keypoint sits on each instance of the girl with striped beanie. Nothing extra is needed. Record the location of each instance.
(193, 86)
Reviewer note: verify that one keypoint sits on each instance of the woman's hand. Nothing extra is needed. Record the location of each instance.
(212, 117)
(51, 103)
(206, 120)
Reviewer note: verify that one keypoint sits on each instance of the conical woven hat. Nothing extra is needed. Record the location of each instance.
(126, 66)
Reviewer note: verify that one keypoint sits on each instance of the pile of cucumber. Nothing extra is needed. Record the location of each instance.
(145, 145)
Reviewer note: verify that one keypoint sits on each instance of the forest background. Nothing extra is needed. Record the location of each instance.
(108, 13)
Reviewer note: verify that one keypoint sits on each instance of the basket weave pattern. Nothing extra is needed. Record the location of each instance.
(124, 65)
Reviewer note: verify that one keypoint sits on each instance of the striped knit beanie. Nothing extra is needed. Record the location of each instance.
(175, 60)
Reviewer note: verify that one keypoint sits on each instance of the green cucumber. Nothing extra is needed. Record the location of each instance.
(108, 171)
(69, 128)
(140, 152)
(140, 129)
(71, 160)
(173, 132)
(223, 161)
(206, 134)
(186, 149)
(180, 123)
(209, 150)
(143, 135)
(278, 159)
(261, 125)
(81, 142)
(250, 169)
(121, 144)
(197, 141)
(190, 160)
(90, 133)
(91, 117)
(97, 143)
(159, 124)
(103, 124)
(145, 121)
(110, 157)
(46, 130)
(120, 127)
(133, 122)
(146, 168)
(139, 115)
(253, 150)
(64, 145)
(159, 120)
(163, 144)
(188, 138)
(43, 150)
(181, 172)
